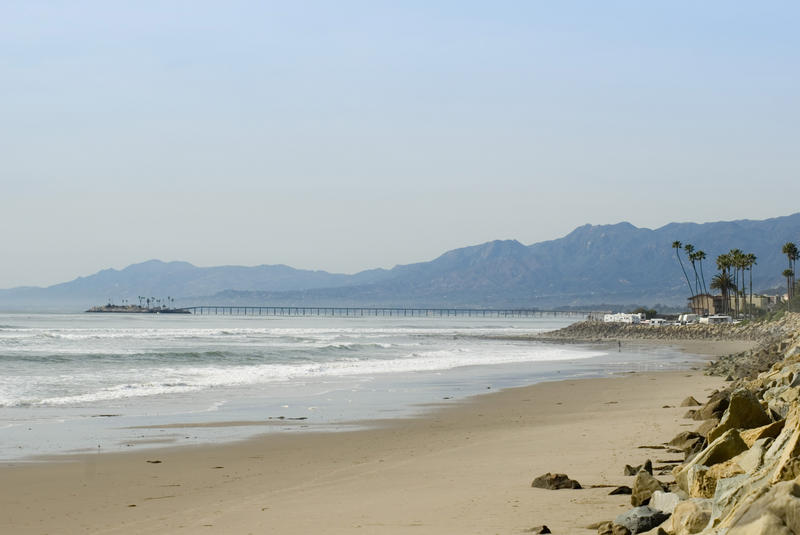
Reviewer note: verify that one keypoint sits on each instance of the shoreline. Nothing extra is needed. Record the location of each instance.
(464, 467)
(396, 396)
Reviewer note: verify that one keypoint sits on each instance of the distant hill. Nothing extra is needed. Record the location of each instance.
(593, 264)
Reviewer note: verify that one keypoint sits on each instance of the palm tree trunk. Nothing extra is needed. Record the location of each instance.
(703, 278)
(751, 292)
(678, 254)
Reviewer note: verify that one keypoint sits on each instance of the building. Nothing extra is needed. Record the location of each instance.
(705, 304)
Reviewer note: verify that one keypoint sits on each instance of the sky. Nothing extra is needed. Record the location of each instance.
(348, 135)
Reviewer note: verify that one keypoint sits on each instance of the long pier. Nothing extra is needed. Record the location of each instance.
(363, 312)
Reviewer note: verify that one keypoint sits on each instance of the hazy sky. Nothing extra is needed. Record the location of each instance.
(347, 135)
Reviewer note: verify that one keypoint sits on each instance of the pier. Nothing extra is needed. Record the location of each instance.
(363, 312)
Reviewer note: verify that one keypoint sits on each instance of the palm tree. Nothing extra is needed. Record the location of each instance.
(677, 246)
(724, 263)
(789, 274)
(751, 261)
(791, 252)
(701, 255)
(689, 249)
(738, 263)
(723, 282)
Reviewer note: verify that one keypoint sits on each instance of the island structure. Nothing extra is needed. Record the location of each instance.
(136, 309)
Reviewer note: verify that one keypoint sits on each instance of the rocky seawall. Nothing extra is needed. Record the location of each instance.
(598, 331)
(741, 469)
(770, 337)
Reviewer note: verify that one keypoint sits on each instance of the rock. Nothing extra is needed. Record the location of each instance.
(744, 412)
(664, 501)
(727, 495)
(706, 427)
(703, 480)
(770, 430)
(714, 408)
(690, 516)
(621, 490)
(726, 447)
(690, 402)
(766, 525)
(787, 444)
(631, 470)
(775, 512)
(555, 482)
(617, 529)
(688, 442)
(752, 459)
(648, 466)
(696, 481)
(643, 488)
(538, 530)
(641, 519)
(603, 528)
(690, 414)
(655, 531)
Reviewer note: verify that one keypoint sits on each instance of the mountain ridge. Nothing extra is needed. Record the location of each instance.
(616, 262)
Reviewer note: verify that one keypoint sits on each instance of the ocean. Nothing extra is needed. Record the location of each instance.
(76, 383)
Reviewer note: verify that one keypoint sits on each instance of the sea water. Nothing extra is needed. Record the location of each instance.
(112, 382)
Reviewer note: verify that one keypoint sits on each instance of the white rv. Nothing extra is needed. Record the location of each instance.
(717, 318)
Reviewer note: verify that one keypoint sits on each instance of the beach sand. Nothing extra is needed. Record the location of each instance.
(461, 468)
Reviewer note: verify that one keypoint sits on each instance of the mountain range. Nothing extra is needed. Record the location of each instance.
(593, 264)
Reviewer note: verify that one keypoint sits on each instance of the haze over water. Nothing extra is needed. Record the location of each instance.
(87, 382)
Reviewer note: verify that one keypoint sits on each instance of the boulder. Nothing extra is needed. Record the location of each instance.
(750, 436)
(703, 480)
(789, 395)
(776, 511)
(631, 470)
(690, 402)
(688, 442)
(664, 501)
(728, 494)
(603, 528)
(648, 467)
(555, 482)
(714, 408)
(696, 481)
(753, 459)
(726, 447)
(690, 516)
(706, 427)
(786, 447)
(641, 519)
(766, 525)
(643, 488)
(744, 412)
(538, 530)
(621, 490)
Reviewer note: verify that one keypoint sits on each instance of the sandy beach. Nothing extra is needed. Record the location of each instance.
(461, 468)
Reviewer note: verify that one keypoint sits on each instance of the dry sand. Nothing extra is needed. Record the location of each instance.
(463, 468)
